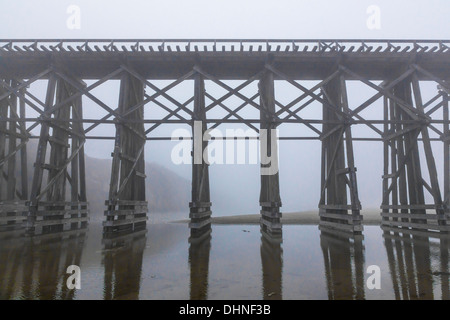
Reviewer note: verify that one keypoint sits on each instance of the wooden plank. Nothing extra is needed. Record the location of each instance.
(199, 224)
(272, 214)
(123, 212)
(116, 223)
(270, 224)
(126, 202)
(12, 218)
(49, 213)
(344, 217)
(200, 214)
(40, 223)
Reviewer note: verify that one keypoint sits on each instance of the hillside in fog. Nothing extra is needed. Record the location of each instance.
(165, 190)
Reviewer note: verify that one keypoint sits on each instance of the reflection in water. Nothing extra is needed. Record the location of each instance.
(234, 263)
(199, 250)
(122, 261)
(344, 264)
(272, 266)
(417, 263)
(37, 266)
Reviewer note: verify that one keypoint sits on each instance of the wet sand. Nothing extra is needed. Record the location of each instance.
(370, 217)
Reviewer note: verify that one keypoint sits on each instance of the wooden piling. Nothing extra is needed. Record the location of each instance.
(49, 211)
(338, 167)
(126, 206)
(200, 206)
(269, 198)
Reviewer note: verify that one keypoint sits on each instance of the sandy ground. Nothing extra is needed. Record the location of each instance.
(370, 217)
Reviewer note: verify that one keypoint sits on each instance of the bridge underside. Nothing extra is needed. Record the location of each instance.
(415, 193)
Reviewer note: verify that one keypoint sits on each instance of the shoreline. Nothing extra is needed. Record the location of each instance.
(370, 217)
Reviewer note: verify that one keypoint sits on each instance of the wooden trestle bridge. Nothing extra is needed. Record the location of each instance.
(55, 198)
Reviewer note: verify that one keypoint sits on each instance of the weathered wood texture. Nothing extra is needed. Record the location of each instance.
(403, 183)
(338, 165)
(269, 197)
(411, 126)
(49, 209)
(200, 206)
(13, 139)
(126, 206)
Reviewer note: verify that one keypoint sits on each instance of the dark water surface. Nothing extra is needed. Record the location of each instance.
(234, 262)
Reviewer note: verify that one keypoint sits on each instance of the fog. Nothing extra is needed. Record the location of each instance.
(235, 188)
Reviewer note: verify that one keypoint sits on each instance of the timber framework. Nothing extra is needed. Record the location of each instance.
(416, 190)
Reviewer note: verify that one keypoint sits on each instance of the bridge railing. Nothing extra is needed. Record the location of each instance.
(224, 45)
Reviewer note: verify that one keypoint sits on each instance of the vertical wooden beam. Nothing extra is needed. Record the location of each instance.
(4, 114)
(59, 151)
(398, 158)
(126, 205)
(200, 207)
(11, 184)
(413, 172)
(23, 154)
(40, 158)
(132, 140)
(353, 186)
(446, 137)
(338, 163)
(386, 155)
(269, 199)
(429, 154)
(336, 192)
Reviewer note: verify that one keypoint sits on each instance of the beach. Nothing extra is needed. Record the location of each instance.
(370, 217)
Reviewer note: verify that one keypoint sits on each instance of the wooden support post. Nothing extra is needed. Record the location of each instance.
(269, 199)
(48, 207)
(200, 207)
(12, 198)
(431, 165)
(126, 206)
(40, 159)
(23, 155)
(406, 169)
(446, 137)
(4, 114)
(338, 165)
(385, 154)
(12, 143)
(351, 169)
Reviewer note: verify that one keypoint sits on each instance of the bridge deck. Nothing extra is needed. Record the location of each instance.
(225, 59)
